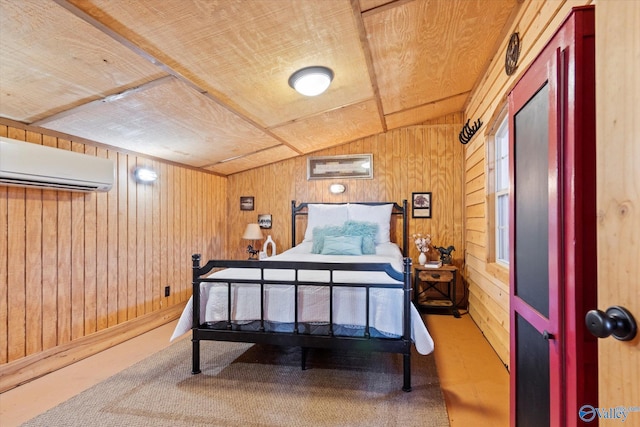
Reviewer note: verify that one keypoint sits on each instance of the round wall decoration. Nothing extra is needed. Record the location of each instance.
(513, 53)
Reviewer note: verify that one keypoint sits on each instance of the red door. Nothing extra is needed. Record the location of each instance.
(553, 230)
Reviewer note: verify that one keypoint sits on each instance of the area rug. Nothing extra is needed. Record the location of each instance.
(258, 385)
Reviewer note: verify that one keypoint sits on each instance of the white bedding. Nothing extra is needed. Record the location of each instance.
(349, 307)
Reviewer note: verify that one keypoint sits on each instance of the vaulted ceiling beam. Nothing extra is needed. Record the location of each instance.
(355, 4)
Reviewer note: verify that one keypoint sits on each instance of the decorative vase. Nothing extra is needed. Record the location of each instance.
(265, 248)
(422, 259)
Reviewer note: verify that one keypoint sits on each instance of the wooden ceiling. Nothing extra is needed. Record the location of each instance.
(205, 82)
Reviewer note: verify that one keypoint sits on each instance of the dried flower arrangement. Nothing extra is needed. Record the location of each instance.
(422, 242)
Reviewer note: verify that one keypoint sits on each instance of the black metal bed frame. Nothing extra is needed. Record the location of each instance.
(400, 345)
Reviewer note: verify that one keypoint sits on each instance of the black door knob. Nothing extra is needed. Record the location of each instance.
(616, 321)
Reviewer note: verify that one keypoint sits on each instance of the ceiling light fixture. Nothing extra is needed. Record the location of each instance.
(311, 81)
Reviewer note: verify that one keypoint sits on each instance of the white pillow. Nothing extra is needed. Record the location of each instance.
(380, 214)
(321, 215)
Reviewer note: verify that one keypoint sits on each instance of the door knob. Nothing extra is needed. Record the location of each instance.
(616, 321)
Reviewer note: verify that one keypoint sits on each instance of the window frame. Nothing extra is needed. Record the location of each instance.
(502, 192)
(493, 194)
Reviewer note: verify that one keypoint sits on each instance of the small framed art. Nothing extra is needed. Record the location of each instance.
(421, 203)
(246, 203)
(264, 220)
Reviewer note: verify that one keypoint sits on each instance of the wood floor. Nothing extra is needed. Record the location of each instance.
(474, 381)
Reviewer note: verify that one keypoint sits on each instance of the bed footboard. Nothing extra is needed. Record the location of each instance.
(295, 337)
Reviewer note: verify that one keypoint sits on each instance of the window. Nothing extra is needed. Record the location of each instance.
(501, 142)
(498, 192)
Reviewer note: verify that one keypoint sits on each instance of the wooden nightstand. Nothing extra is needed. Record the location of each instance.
(434, 289)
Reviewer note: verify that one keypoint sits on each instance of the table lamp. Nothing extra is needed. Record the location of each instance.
(253, 233)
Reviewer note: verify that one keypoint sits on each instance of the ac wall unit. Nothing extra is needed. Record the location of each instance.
(32, 165)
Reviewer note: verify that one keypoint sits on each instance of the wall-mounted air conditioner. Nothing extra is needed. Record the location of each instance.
(32, 165)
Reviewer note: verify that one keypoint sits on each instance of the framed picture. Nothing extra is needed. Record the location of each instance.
(246, 203)
(264, 220)
(346, 166)
(421, 203)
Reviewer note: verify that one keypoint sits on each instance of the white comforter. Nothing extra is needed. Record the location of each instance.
(349, 308)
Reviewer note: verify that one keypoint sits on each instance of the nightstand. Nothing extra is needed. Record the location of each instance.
(434, 289)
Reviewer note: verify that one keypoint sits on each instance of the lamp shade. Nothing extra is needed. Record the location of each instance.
(252, 232)
(311, 81)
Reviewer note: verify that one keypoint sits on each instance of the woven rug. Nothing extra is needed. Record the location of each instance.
(258, 385)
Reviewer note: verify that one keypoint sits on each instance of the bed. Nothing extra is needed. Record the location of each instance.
(345, 286)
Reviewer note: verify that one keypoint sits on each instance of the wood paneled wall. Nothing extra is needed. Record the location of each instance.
(618, 192)
(488, 282)
(73, 264)
(421, 158)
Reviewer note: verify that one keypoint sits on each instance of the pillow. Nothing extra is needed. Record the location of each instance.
(320, 233)
(342, 245)
(379, 214)
(366, 230)
(320, 215)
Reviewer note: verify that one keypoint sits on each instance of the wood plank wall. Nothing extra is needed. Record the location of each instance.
(536, 21)
(73, 264)
(421, 158)
(618, 192)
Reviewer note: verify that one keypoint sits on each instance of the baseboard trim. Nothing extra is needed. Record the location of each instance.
(35, 366)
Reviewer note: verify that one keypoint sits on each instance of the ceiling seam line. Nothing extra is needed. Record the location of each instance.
(321, 113)
(241, 156)
(384, 7)
(430, 102)
(108, 98)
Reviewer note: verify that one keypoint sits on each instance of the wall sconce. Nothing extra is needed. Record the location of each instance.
(145, 175)
(337, 188)
(253, 233)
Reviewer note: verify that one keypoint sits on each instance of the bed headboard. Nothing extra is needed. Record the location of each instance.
(397, 211)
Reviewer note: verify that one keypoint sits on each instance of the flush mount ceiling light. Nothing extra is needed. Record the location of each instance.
(311, 81)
